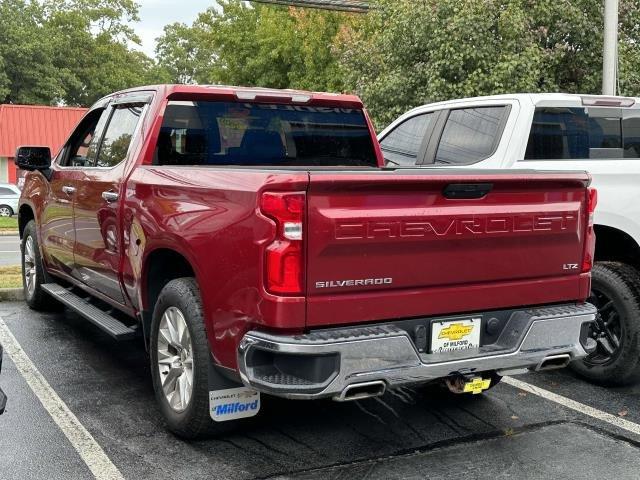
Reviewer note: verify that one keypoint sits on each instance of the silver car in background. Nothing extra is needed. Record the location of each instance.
(9, 196)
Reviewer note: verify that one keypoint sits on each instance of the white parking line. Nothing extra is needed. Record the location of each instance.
(86, 446)
(573, 405)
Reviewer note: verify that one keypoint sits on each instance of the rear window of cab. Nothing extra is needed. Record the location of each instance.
(257, 134)
(565, 133)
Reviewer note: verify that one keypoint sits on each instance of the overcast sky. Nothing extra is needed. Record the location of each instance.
(155, 14)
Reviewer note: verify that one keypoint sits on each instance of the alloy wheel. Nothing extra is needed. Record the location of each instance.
(175, 359)
(5, 212)
(29, 259)
(607, 330)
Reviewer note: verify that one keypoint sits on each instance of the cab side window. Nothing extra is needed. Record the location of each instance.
(470, 135)
(82, 148)
(402, 145)
(118, 136)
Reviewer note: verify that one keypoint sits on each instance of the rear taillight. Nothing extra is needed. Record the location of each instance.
(284, 256)
(593, 203)
(590, 239)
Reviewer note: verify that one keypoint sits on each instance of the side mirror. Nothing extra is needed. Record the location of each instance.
(33, 158)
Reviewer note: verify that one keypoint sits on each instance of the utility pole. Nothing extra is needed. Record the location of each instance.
(610, 51)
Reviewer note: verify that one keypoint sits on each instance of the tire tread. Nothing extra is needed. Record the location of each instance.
(196, 422)
(625, 369)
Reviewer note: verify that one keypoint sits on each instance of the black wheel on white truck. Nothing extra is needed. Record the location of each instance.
(615, 291)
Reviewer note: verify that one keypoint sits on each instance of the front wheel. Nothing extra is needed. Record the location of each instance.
(179, 354)
(33, 274)
(615, 292)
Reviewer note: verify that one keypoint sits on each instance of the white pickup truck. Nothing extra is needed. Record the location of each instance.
(595, 133)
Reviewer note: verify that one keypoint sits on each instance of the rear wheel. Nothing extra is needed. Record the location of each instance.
(179, 353)
(615, 291)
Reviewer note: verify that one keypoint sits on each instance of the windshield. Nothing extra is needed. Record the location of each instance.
(253, 134)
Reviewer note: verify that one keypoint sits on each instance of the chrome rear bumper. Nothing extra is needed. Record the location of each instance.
(328, 363)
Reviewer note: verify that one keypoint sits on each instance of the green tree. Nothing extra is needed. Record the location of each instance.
(70, 51)
(182, 55)
(255, 45)
(4, 79)
(28, 68)
(406, 53)
(91, 41)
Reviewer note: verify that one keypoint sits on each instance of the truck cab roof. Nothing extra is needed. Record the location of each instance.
(537, 99)
(238, 93)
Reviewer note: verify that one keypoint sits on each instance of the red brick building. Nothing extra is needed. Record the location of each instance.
(32, 125)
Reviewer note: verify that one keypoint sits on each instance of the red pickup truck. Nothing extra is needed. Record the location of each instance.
(255, 241)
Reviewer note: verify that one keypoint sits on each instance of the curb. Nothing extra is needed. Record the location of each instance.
(8, 233)
(11, 294)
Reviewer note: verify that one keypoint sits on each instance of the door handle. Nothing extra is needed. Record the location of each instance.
(69, 190)
(110, 197)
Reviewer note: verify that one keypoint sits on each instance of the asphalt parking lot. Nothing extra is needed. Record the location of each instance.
(411, 433)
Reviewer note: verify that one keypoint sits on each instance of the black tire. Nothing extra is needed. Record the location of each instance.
(8, 209)
(36, 297)
(194, 421)
(619, 284)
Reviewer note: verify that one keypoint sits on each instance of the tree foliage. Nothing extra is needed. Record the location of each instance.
(255, 45)
(69, 51)
(401, 54)
(406, 53)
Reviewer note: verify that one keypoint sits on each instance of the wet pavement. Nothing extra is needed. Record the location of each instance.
(408, 433)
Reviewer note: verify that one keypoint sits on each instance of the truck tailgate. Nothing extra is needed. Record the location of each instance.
(395, 244)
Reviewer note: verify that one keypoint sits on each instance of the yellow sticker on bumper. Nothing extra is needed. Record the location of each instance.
(477, 385)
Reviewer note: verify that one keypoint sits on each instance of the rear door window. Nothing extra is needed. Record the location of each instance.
(402, 145)
(251, 134)
(470, 135)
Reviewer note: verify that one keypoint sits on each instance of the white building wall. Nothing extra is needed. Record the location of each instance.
(4, 169)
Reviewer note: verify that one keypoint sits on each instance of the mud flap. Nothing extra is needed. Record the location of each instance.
(230, 400)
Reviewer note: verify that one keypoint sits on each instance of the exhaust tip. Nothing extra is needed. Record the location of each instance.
(554, 362)
(359, 391)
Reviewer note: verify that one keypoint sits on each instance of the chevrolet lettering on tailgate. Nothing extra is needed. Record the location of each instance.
(456, 227)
